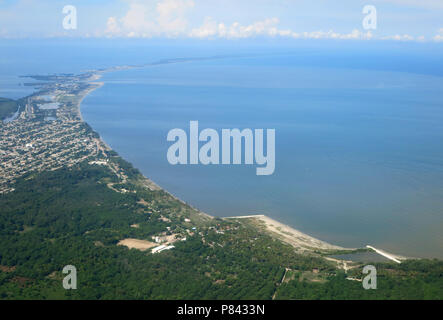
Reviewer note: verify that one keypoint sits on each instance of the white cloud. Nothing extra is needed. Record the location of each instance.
(354, 35)
(404, 37)
(212, 29)
(268, 27)
(439, 37)
(168, 18)
(146, 18)
(112, 26)
(171, 15)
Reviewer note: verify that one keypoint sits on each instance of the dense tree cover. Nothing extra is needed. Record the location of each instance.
(57, 218)
(7, 108)
(414, 279)
(72, 217)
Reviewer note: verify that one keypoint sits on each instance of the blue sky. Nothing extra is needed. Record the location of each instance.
(402, 20)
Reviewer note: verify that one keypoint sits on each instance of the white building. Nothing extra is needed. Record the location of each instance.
(161, 248)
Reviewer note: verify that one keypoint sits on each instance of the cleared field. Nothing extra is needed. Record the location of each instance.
(136, 244)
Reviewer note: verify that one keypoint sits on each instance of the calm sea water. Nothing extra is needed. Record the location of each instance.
(359, 133)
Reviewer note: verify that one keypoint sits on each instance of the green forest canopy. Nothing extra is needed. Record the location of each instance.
(7, 107)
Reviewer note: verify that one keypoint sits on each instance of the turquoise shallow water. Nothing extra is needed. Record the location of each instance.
(359, 130)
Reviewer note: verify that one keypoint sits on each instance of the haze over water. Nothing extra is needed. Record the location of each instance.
(359, 134)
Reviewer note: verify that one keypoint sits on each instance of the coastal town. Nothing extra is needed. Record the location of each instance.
(148, 225)
(47, 131)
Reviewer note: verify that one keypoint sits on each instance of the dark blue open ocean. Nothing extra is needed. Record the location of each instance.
(359, 128)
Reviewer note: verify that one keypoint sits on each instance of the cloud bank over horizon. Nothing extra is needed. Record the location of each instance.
(397, 20)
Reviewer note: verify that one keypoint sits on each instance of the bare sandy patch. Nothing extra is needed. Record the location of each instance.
(143, 202)
(7, 269)
(136, 244)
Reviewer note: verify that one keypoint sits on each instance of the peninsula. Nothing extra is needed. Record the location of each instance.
(66, 198)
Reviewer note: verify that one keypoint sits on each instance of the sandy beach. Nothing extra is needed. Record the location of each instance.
(297, 239)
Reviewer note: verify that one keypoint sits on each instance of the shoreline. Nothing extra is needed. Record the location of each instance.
(89, 91)
(280, 229)
(149, 183)
(288, 234)
(283, 232)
